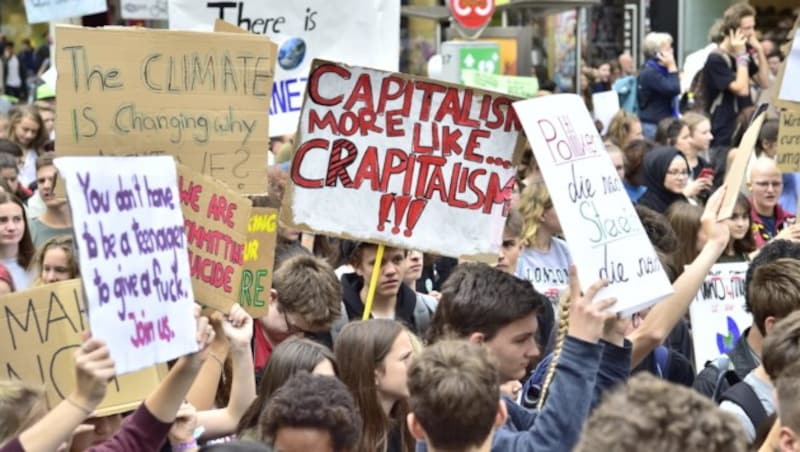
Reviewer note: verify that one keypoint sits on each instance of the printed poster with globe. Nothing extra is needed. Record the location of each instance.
(718, 312)
(353, 31)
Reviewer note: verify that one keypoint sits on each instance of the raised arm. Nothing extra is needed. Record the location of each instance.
(204, 388)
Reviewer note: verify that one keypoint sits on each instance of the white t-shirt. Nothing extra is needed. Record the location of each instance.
(547, 271)
(13, 80)
(22, 279)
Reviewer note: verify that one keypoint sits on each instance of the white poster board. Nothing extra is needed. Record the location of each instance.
(790, 89)
(409, 162)
(133, 256)
(38, 11)
(718, 312)
(144, 9)
(358, 32)
(603, 232)
(606, 105)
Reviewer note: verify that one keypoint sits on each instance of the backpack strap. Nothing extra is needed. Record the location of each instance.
(745, 397)
(720, 97)
(662, 358)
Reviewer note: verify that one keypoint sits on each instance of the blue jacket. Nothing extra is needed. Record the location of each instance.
(583, 372)
(658, 90)
(627, 87)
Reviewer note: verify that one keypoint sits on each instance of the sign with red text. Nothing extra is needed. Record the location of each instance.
(408, 162)
(199, 97)
(216, 229)
(132, 249)
(40, 329)
(259, 259)
(365, 33)
(603, 232)
(718, 312)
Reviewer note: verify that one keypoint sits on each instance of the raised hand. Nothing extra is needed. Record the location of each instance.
(587, 317)
(93, 369)
(238, 327)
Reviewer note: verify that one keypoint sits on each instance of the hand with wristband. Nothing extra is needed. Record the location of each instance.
(182, 434)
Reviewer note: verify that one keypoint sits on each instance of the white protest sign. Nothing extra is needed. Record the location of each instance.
(48, 10)
(603, 232)
(790, 89)
(144, 9)
(718, 312)
(606, 105)
(364, 33)
(409, 162)
(133, 256)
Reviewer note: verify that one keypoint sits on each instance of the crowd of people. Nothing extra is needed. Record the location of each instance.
(465, 356)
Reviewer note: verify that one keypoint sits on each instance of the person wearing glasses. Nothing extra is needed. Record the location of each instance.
(770, 220)
(666, 173)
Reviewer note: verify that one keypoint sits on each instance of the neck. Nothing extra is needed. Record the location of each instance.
(691, 156)
(754, 340)
(387, 403)
(382, 305)
(765, 211)
(9, 251)
(58, 217)
(485, 447)
(729, 251)
(542, 240)
(761, 374)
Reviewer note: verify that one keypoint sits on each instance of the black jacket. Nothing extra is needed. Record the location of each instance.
(404, 310)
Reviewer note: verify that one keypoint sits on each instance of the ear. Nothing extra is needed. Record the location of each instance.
(787, 441)
(415, 428)
(476, 338)
(502, 414)
(273, 296)
(769, 325)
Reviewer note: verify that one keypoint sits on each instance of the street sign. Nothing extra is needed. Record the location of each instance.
(471, 15)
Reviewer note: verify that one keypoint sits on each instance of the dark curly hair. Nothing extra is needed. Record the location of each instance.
(658, 229)
(313, 401)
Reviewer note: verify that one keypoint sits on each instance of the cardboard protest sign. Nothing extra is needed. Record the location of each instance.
(512, 85)
(200, 97)
(603, 232)
(259, 260)
(132, 248)
(49, 10)
(788, 157)
(366, 34)
(735, 175)
(144, 9)
(409, 162)
(718, 312)
(39, 331)
(216, 221)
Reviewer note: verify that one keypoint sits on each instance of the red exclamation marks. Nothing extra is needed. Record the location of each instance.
(404, 209)
(383, 210)
(400, 206)
(414, 212)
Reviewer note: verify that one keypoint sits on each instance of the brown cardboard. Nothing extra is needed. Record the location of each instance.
(215, 265)
(202, 97)
(788, 157)
(259, 260)
(735, 177)
(40, 329)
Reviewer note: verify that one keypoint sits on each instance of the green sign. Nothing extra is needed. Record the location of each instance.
(484, 59)
(507, 84)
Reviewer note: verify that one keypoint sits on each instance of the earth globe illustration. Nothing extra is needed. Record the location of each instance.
(292, 53)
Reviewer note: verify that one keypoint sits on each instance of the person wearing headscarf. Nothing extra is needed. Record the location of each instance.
(666, 172)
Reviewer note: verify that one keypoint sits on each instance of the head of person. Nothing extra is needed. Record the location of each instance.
(624, 128)
(740, 223)
(699, 130)
(685, 221)
(48, 114)
(741, 18)
(56, 261)
(787, 390)
(103, 428)
(413, 270)
(634, 154)
(377, 353)
(11, 148)
(538, 213)
(655, 415)
(781, 348)
(26, 127)
(311, 413)
(626, 63)
(454, 376)
(772, 292)
(9, 171)
(289, 358)
(666, 172)
(767, 143)
(46, 179)
(21, 405)
(774, 60)
(603, 72)
(512, 245)
(618, 159)
(14, 231)
(766, 185)
(493, 308)
(673, 132)
(655, 43)
(363, 257)
(305, 298)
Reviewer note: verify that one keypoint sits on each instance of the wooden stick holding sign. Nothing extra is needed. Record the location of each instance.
(373, 281)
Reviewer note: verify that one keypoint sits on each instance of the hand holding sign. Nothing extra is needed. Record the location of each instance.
(238, 327)
(587, 317)
(93, 370)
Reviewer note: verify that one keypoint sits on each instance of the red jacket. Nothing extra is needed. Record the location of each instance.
(760, 232)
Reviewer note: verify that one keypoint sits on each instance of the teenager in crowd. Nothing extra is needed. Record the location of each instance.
(16, 246)
(9, 172)
(699, 141)
(56, 219)
(768, 217)
(311, 413)
(289, 358)
(624, 128)
(788, 394)
(742, 243)
(633, 156)
(377, 353)
(685, 221)
(413, 271)
(672, 132)
(26, 129)
(56, 261)
(666, 173)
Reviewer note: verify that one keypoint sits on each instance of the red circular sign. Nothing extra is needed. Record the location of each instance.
(472, 13)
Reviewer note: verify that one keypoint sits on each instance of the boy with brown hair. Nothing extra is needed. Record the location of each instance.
(788, 393)
(305, 300)
(455, 397)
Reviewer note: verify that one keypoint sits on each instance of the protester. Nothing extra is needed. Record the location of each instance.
(56, 261)
(633, 156)
(413, 271)
(666, 173)
(742, 243)
(699, 142)
(788, 395)
(768, 217)
(623, 129)
(659, 84)
(512, 246)
(685, 221)
(9, 172)
(602, 78)
(14, 73)
(26, 129)
(377, 353)
(56, 220)
(16, 246)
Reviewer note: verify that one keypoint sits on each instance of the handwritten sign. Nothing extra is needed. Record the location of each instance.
(788, 157)
(410, 162)
(603, 232)
(790, 91)
(735, 175)
(718, 312)
(367, 35)
(200, 97)
(129, 232)
(216, 221)
(606, 105)
(40, 329)
(49, 10)
(259, 259)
